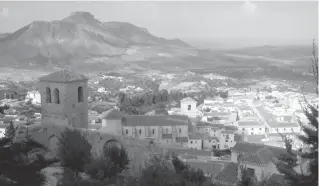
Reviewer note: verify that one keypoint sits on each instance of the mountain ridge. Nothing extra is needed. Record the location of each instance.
(79, 35)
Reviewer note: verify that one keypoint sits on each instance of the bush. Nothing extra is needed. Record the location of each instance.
(118, 156)
(74, 150)
(99, 168)
(106, 168)
(10, 131)
(74, 179)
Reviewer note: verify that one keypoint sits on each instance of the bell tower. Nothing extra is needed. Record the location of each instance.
(64, 99)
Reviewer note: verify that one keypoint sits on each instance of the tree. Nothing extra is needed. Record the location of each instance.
(10, 131)
(74, 150)
(309, 139)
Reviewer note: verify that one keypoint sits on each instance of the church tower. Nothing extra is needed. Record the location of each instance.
(64, 99)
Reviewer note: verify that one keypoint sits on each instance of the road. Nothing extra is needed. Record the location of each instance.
(262, 119)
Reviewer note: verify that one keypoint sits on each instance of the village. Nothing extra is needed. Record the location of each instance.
(208, 136)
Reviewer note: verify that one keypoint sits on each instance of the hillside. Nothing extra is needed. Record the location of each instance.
(73, 39)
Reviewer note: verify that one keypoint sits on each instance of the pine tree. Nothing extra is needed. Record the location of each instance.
(10, 131)
(310, 139)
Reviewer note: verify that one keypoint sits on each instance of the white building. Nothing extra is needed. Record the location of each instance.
(35, 96)
(2, 129)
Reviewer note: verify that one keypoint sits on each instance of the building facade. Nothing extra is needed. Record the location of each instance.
(64, 99)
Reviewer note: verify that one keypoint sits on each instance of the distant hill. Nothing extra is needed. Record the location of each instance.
(78, 36)
(278, 52)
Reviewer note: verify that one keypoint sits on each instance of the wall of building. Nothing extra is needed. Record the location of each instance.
(226, 143)
(252, 130)
(285, 130)
(184, 106)
(209, 143)
(195, 144)
(76, 113)
(112, 126)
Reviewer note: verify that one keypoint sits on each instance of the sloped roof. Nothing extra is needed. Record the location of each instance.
(212, 138)
(228, 175)
(63, 76)
(258, 153)
(181, 139)
(158, 120)
(113, 114)
(188, 99)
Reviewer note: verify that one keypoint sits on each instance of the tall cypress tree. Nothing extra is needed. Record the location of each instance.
(288, 161)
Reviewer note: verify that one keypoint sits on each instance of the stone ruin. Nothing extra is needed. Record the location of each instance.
(139, 151)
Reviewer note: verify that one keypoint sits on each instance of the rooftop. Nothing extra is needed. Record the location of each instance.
(257, 153)
(158, 120)
(113, 114)
(188, 99)
(228, 175)
(249, 124)
(63, 76)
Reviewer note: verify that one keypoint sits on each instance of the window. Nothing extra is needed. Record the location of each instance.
(292, 129)
(226, 140)
(56, 94)
(206, 129)
(210, 140)
(250, 172)
(180, 130)
(227, 136)
(191, 142)
(243, 129)
(48, 95)
(252, 128)
(284, 129)
(126, 131)
(153, 131)
(166, 130)
(195, 141)
(260, 128)
(252, 133)
(189, 107)
(140, 131)
(80, 94)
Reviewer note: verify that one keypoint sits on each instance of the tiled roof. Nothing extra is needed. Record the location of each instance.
(249, 123)
(195, 137)
(229, 127)
(257, 153)
(227, 132)
(228, 175)
(188, 99)
(161, 120)
(212, 138)
(113, 114)
(284, 125)
(63, 76)
(181, 139)
(216, 114)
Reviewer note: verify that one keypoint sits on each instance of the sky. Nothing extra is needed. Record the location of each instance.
(247, 21)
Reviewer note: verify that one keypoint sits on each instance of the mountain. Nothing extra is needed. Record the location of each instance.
(278, 52)
(76, 37)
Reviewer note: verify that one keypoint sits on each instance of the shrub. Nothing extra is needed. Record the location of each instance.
(99, 168)
(10, 131)
(117, 154)
(74, 150)
(71, 178)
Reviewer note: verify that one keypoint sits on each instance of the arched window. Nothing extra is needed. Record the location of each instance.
(56, 94)
(189, 107)
(48, 95)
(80, 94)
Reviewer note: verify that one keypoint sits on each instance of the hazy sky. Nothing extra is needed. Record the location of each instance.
(264, 21)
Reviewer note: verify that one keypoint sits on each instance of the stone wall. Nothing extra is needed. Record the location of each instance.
(138, 150)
